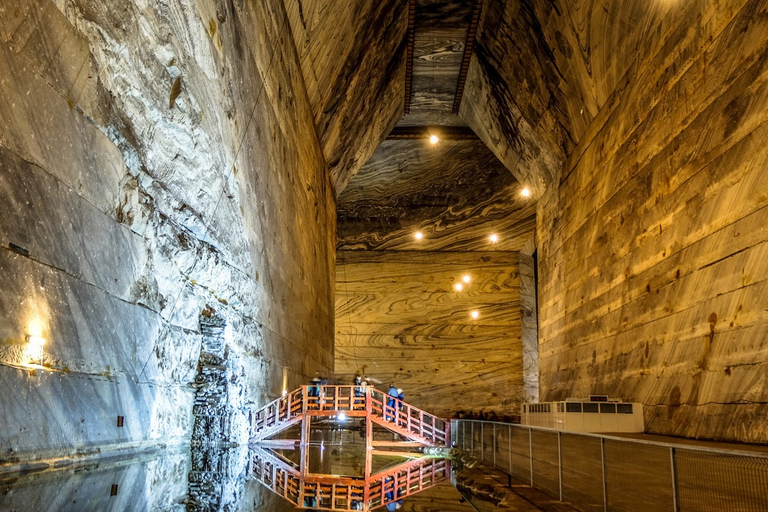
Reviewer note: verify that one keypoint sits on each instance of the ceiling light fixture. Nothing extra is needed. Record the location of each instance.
(433, 139)
(494, 238)
(418, 235)
(458, 287)
(526, 192)
(475, 314)
(466, 278)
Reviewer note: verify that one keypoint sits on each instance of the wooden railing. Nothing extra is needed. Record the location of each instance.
(277, 474)
(346, 493)
(409, 420)
(354, 401)
(407, 479)
(278, 415)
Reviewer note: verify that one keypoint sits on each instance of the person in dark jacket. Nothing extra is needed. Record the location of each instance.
(391, 403)
(314, 385)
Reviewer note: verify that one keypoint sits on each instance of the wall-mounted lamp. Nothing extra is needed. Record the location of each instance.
(35, 348)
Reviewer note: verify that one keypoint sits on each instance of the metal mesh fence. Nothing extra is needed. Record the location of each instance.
(546, 473)
(714, 482)
(638, 477)
(583, 471)
(602, 472)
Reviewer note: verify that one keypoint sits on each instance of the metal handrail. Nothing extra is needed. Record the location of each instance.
(739, 475)
(609, 437)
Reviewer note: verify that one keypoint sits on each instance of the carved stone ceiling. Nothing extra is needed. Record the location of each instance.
(456, 192)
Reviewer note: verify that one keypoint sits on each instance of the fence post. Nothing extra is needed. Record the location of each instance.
(509, 441)
(482, 442)
(605, 482)
(494, 445)
(560, 463)
(530, 452)
(673, 468)
(472, 433)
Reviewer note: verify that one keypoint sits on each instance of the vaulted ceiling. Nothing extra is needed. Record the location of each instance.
(505, 84)
(456, 192)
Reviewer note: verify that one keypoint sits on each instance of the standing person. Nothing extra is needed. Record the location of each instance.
(359, 384)
(401, 398)
(314, 385)
(392, 403)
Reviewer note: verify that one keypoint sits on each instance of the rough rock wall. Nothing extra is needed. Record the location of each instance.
(156, 158)
(653, 249)
(400, 320)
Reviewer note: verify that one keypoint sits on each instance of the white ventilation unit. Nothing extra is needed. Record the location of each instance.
(597, 413)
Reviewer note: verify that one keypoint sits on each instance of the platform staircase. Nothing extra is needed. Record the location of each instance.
(365, 402)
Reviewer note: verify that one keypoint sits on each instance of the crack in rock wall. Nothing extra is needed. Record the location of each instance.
(158, 159)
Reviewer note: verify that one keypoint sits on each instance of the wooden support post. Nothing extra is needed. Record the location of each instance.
(368, 450)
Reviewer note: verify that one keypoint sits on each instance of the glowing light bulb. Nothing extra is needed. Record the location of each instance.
(475, 314)
(494, 238)
(35, 348)
(433, 139)
(418, 235)
(466, 278)
(342, 416)
(36, 341)
(526, 192)
(458, 287)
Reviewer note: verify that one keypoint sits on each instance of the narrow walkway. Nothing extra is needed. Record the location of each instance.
(696, 443)
(492, 490)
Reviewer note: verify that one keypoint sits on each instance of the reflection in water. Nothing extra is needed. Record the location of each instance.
(148, 482)
(328, 492)
(216, 478)
(339, 475)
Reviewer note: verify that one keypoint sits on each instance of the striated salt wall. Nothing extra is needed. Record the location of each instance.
(653, 246)
(157, 159)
